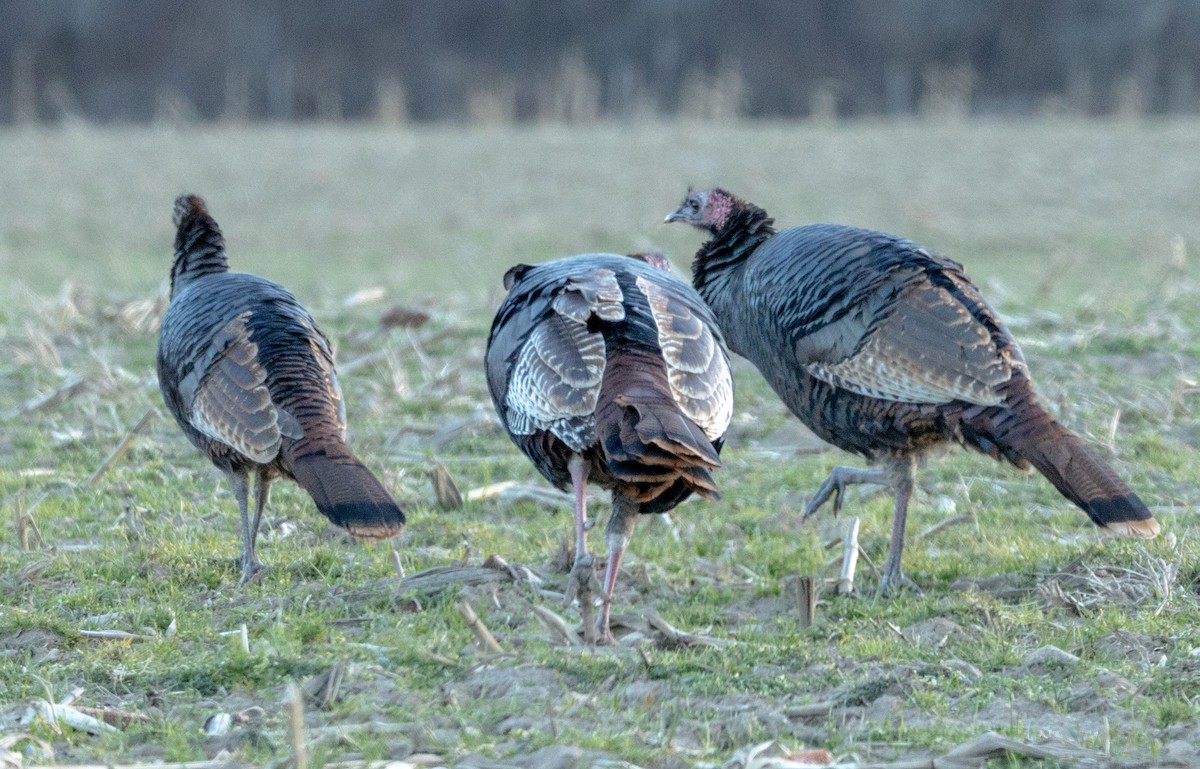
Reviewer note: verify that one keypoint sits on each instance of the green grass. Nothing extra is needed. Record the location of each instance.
(1082, 234)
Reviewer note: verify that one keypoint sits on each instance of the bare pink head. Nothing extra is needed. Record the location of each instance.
(707, 210)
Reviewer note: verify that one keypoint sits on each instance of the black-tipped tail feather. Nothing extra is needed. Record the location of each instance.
(349, 495)
(1074, 469)
(1089, 482)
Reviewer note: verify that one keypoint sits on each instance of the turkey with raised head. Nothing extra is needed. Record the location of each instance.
(886, 349)
(610, 369)
(249, 377)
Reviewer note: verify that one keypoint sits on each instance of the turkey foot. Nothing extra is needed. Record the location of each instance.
(891, 585)
(835, 486)
(604, 633)
(579, 587)
(252, 569)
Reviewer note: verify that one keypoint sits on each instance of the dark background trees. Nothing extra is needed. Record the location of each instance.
(579, 60)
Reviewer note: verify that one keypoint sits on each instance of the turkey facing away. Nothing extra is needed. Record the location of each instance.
(886, 349)
(250, 380)
(609, 368)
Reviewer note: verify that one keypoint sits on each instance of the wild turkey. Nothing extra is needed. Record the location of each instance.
(250, 380)
(886, 349)
(607, 368)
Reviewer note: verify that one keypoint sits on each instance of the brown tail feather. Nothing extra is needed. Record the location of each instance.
(1073, 468)
(647, 441)
(347, 493)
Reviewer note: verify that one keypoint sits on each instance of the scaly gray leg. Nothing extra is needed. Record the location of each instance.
(835, 485)
(579, 582)
(251, 566)
(240, 485)
(903, 476)
(618, 533)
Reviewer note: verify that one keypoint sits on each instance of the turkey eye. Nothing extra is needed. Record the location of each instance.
(693, 205)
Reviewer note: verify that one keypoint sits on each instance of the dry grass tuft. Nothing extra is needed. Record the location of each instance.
(1084, 586)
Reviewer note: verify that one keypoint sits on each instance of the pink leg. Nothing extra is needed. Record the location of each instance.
(618, 533)
(579, 483)
(579, 583)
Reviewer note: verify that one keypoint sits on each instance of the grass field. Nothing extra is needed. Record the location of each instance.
(1083, 235)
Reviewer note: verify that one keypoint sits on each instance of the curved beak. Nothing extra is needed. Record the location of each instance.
(678, 215)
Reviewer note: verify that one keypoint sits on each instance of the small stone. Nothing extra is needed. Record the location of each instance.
(560, 757)
(1082, 697)
(888, 709)
(1180, 752)
(514, 724)
(218, 724)
(251, 715)
(1116, 684)
(944, 505)
(1050, 656)
(933, 633)
(963, 668)
(685, 738)
(241, 739)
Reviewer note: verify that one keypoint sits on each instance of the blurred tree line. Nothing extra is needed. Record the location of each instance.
(583, 60)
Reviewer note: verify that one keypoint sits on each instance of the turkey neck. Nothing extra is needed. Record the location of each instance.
(747, 228)
(199, 250)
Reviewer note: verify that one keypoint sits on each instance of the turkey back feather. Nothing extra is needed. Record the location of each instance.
(614, 359)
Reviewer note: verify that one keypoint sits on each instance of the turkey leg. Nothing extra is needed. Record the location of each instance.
(902, 474)
(579, 582)
(618, 532)
(240, 484)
